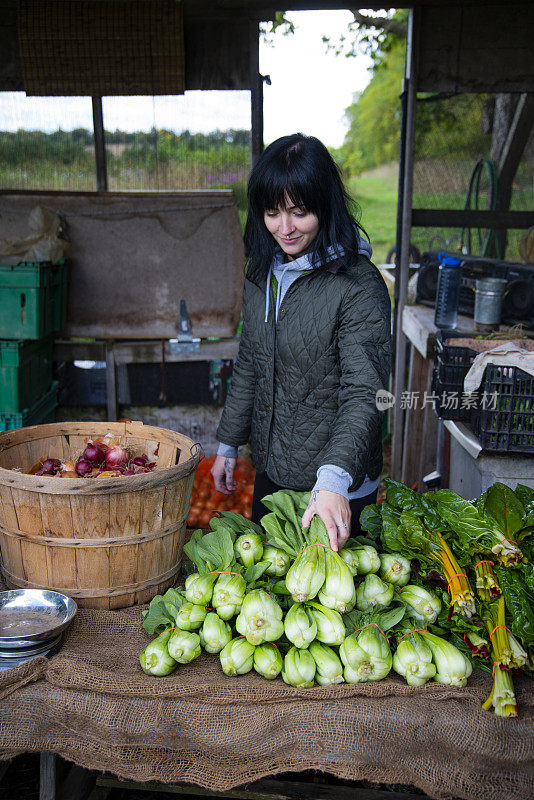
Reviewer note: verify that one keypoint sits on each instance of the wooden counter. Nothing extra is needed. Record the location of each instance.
(421, 423)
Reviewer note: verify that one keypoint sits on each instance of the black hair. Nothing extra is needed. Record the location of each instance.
(300, 167)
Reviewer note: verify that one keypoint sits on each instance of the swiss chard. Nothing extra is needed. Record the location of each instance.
(506, 654)
(429, 546)
(486, 581)
(525, 494)
(519, 599)
(371, 521)
(506, 648)
(477, 531)
(401, 497)
(501, 505)
(390, 529)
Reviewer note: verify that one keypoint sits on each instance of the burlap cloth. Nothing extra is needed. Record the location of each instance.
(92, 704)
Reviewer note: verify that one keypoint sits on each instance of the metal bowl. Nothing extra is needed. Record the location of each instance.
(31, 616)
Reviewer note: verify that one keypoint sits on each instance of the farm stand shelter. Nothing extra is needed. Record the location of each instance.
(451, 47)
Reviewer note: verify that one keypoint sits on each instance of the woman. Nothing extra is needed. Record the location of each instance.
(315, 343)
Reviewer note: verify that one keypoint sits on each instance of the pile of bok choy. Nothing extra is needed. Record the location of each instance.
(437, 587)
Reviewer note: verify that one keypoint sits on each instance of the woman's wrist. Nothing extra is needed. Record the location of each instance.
(227, 450)
(333, 479)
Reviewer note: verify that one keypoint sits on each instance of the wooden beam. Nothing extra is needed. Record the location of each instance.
(256, 95)
(459, 218)
(100, 146)
(100, 793)
(142, 352)
(418, 327)
(263, 10)
(266, 790)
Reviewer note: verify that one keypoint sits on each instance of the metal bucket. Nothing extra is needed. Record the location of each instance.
(488, 302)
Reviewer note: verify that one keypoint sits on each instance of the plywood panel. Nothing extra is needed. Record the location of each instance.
(135, 255)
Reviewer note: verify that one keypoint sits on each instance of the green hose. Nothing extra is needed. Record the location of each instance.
(473, 190)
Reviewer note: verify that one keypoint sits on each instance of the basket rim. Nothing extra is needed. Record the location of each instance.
(81, 486)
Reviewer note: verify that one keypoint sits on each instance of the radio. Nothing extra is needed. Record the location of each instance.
(518, 301)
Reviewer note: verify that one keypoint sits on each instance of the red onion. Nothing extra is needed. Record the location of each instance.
(150, 467)
(94, 453)
(83, 467)
(49, 466)
(139, 461)
(116, 457)
(129, 472)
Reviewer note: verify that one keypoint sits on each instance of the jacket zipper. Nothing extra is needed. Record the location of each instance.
(275, 325)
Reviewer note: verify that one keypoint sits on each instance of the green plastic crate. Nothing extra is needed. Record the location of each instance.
(59, 289)
(41, 412)
(33, 299)
(25, 372)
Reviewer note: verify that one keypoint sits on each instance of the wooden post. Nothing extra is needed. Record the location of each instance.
(400, 195)
(111, 383)
(509, 159)
(47, 776)
(100, 146)
(256, 95)
(412, 51)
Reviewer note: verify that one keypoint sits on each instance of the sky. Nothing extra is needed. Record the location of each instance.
(310, 90)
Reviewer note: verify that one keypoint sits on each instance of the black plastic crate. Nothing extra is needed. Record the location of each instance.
(173, 383)
(451, 366)
(504, 421)
(81, 386)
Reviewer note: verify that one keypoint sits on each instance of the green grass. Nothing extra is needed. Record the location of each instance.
(376, 194)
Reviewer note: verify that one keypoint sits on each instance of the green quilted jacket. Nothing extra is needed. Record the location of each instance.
(303, 388)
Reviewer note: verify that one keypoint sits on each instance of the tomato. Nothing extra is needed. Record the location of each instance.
(205, 500)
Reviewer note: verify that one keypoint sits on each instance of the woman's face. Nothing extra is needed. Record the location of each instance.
(293, 228)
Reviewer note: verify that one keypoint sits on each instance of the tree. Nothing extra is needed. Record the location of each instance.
(374, 117)
(380, 35)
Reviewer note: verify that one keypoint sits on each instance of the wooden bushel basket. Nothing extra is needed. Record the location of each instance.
(105, 542)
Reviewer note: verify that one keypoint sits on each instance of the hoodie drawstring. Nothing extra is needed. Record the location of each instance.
(279, 290)
(267, 293)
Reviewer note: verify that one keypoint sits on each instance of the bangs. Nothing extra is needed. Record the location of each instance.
(281, 184)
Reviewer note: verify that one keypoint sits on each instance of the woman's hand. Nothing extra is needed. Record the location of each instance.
(222, 473)
(334, 510)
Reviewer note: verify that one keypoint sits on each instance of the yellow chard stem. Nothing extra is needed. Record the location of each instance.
(458, 583)
(489, 702)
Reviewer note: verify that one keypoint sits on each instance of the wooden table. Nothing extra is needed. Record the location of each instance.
(139, 351)
(422, 427)
(91, 705)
